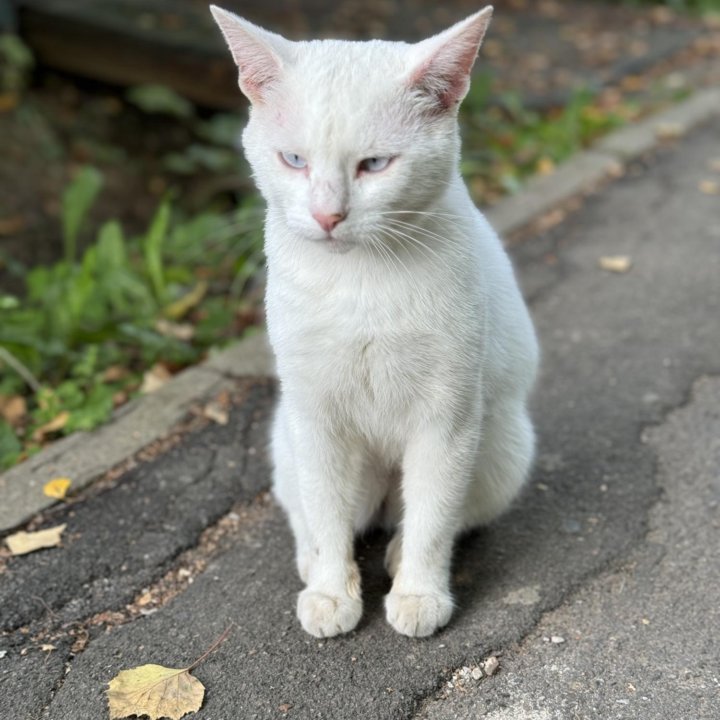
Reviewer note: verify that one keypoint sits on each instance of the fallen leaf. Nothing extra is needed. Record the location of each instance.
(23, 542)
(115, 373)
(57, 487)
(48, 648)
(11, 225)
(8, 101)
(57, 423)
(155, 378)
(179, 331)
(217, 413)
(13, 408)
(669, 131)
(709, 187)
(545, 166)
(156, 691)
(615, 263)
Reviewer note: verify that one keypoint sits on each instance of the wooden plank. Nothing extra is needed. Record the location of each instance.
(118, 43)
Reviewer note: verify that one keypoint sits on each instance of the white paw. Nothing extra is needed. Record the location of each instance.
(392, 555)
(324, 615)
(418, 615)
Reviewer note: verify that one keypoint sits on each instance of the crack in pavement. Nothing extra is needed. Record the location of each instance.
(638, 640)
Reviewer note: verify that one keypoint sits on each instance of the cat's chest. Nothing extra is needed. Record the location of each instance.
(379, 351)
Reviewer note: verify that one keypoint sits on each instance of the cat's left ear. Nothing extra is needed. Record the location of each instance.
(259, 54)
(441, 65)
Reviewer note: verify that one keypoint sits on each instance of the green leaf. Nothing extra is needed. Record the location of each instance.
(152, 250)
(221, 129)
(77, 200)
(161, 100)
(10, 447)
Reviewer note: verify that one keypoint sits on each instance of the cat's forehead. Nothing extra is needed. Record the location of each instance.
(345, 91)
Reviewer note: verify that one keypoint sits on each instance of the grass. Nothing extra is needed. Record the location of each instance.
(88, 328)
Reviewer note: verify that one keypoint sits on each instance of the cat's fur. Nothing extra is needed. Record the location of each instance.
(404, 348)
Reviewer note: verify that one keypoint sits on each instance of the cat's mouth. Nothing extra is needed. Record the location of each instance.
(336, 245)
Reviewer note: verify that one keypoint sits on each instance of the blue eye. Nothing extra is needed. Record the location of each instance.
(294, 161)
(374, 164)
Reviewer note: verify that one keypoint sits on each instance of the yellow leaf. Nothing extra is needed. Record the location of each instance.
(545, 166)
(57, 487)
(615, 263)
(669, 131)
(156, 691)
(57, 423)
(180, 331)
(23, 542)
(709, 187)
(154, 378)
(181, 307)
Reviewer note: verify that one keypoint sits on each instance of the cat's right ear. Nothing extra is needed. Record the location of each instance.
(257, 53)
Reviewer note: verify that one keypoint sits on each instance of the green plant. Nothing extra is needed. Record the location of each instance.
(89, 327)
(16, 62)
(506, 142)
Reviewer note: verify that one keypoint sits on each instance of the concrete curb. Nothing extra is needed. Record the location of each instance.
(587, 170)
(83, 457)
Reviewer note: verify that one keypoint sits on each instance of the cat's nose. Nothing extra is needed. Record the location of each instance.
(328, 222)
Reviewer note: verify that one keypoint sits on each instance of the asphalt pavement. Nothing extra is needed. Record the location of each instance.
(597, 593)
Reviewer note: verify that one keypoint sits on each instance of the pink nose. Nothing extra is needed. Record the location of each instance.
(328, 222)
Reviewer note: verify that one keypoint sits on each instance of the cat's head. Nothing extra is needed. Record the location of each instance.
(344, 136)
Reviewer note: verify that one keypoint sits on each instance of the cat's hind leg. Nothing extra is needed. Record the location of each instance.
(504, 459)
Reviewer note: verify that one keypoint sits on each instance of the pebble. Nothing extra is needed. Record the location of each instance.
(491, 665)
(557, 639)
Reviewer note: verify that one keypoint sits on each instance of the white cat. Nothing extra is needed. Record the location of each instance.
(404, 348)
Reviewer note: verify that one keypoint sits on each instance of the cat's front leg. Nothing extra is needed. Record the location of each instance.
(437, 467)
(327, 474)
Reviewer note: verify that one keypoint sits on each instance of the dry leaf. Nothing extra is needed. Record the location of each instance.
(156, 691)
(8, 101)
(57, 487)
(179, 331)
(615, 263)
(217, 413)
(545, 166)
(23, 542)
(48, 648)
(709, 187)
(11, 225)
(115, 373)
(154, 378)
(57, 423)
(13, 408)
(669, 131)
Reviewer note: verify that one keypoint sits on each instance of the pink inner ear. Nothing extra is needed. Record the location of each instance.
(259, 66)
(446, 73)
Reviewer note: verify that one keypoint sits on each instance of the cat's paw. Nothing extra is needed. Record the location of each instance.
(324, 615)
(418, 615)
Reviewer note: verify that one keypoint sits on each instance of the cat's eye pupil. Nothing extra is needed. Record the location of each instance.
(293, 160)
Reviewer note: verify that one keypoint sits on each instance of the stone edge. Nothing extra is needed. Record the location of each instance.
(84, 456)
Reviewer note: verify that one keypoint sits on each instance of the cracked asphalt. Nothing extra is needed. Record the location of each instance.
(611, 547)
